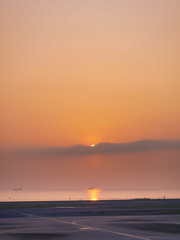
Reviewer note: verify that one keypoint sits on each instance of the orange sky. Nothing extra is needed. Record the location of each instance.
(89, 71)
(83, 72)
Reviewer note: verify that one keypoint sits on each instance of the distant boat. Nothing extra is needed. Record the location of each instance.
(90, 188)
(17, 189)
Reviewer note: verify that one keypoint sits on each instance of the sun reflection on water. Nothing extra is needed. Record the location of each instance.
(93, 194)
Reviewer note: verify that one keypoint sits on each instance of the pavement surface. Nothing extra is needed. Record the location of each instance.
(146, 220)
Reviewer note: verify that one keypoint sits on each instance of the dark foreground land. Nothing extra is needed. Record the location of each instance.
(101, 220)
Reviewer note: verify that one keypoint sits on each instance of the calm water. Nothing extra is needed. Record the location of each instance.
(24, 195)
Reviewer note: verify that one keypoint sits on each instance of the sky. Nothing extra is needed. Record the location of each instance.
(76, 73)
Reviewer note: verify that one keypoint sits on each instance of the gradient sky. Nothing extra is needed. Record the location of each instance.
(85, 72)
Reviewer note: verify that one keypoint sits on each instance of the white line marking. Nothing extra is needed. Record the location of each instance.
(86, 226)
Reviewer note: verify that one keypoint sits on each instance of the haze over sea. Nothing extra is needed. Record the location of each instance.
(66, 195)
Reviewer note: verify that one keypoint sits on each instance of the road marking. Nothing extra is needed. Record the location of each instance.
(85, 226)
(96, 228)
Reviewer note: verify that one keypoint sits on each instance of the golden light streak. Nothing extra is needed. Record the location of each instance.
(93, 194)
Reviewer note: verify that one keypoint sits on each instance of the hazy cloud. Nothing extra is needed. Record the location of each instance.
(101, 148)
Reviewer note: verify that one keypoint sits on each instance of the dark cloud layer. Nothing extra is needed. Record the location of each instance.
(101, 148)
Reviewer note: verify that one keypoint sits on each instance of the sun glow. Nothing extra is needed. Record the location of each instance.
(92, 145)
(93, 194)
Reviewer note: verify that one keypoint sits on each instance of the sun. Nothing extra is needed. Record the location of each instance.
(92, 145)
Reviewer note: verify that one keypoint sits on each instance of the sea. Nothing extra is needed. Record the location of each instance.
(72, 195)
